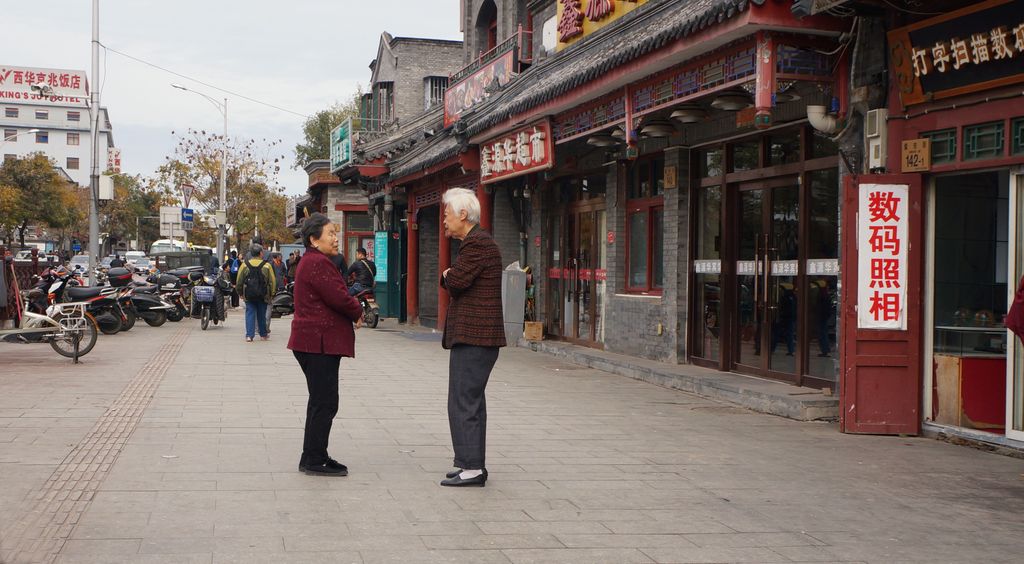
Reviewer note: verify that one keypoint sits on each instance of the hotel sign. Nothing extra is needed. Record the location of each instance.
(972, 49)
(522, 151)
(68, 87)
(577, 19)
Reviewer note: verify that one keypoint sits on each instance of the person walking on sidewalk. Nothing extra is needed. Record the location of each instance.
(256, 277)
(231, 266)
(280, 281)
(323, 331)
(474, 330)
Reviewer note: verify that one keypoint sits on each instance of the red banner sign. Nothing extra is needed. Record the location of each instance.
(524, 150)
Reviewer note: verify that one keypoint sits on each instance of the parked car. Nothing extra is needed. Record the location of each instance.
(79, 262)
(142, 265)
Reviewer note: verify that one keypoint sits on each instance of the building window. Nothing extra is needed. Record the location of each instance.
(943, 145)
(42, 114)
(710, 162)
(74, 116)
(983, 141)
(10, 134)
(384, 102)
(1017, 130)
(72, 163)
(73, 139)
(11, 112)
(645, 214)
(433, 90)
(42, 137)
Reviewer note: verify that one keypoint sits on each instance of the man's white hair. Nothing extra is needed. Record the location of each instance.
(459, 199)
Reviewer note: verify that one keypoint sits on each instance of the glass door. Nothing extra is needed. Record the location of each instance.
(578, 274)
(1015, 364)
(767, 317)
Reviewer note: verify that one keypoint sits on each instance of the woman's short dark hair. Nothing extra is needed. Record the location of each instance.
(313, 226)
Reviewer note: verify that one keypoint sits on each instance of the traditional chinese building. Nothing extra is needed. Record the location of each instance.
(935, 246)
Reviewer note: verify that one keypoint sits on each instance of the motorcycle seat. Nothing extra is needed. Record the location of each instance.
(83, 293)
(145, 288)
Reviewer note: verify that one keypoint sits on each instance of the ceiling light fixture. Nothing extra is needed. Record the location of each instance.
(658, 128)
(690, 113)
(732, 101)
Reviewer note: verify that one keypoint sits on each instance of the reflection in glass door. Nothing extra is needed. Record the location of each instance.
(767, 341)
(577, 277)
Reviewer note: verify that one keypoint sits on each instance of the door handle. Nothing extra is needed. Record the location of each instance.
(757, 275)
(767, 270)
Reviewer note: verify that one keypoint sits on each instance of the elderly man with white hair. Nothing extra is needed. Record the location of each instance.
(473, 331)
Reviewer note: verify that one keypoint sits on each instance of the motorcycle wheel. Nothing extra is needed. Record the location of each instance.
(175, 315)
(158, 319)
(111, 328)
(129, 320)
(204, 320)
(86, 340)
(371, 318)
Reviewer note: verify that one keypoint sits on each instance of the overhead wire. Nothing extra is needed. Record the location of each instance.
(206, 84)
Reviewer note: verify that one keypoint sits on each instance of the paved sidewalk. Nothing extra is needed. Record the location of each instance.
(584, 466)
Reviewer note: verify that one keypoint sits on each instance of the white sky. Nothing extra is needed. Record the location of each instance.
(301, 55)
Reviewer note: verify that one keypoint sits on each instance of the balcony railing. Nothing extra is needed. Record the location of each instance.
(521, 41)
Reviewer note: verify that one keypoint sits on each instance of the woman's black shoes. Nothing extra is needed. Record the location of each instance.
(458, 471)
(453, 479)
(330, 468)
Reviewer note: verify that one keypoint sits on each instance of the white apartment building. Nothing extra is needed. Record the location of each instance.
(61, 116)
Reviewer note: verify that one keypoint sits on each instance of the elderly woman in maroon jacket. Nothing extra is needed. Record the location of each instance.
(322, 333)
(474, 330)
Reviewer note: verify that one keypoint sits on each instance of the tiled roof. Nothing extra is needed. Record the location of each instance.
(656, 23)
(440, 148)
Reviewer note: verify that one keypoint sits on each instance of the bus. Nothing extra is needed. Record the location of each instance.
(161, 246)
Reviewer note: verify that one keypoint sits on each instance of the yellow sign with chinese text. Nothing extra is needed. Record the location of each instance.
(916, 155)
(581, 18)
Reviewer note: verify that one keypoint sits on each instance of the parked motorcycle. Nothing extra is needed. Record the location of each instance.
(103, 303)
(208, 293)
(283, 302)
(172, 291)
(371, 311)
(149, 305)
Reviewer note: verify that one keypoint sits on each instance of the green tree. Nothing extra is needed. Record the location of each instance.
(317, 130)
(32, 191)
(253, 192)
(134, 198)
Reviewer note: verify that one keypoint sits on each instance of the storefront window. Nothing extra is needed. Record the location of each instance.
(707, 273)
(746, 156)
(969, 300)
(823, 275)
(647, 178)
(822, 146)
(638, 249)
(645, 253)
(710, 162)
(784, 148)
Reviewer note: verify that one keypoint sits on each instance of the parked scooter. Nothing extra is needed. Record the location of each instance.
(208, 293)
(371, 311)
(283, 302)
(173, 292)
(149, 305)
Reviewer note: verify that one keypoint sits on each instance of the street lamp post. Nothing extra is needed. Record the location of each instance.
(16, 135)
(222, 205)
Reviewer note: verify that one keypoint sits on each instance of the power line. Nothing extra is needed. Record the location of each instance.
(206, 84)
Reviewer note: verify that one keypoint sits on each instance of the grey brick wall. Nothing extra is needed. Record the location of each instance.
(541, 15)
(505, 230)
(408, 62)
(429, 223)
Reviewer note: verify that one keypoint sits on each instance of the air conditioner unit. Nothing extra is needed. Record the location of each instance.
(875, 132)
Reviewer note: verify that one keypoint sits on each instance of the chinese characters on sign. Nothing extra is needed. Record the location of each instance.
(971, 49)
(578, 18)
(341, 145)
(882, 256)
(114, 160)
(64, 86)
(528, 149)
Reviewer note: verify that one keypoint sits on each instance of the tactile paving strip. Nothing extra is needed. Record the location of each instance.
(56, 507)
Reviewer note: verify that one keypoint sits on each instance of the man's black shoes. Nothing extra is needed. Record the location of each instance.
(330, 468)
(458, 471)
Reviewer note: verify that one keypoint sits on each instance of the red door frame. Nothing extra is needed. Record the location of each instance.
(881, 372)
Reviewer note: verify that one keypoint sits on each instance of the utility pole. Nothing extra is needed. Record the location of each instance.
(94, 116)
(222, 209)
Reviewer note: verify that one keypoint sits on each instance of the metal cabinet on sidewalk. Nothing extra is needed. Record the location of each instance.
(513, 303)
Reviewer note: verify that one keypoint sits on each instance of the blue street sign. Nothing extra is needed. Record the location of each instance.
(186, 214)
(76, 247)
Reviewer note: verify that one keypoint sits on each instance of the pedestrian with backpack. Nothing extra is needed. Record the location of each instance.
(256, 285)
(231, 266)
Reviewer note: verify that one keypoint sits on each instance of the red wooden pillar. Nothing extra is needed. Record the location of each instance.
(444, 260)
(486, 205)
(412, 287)
(765, 84)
